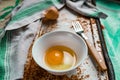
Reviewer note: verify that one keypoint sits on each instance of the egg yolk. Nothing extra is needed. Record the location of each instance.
(54, 57)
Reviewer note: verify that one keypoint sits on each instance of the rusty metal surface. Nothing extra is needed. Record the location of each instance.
(88, 70)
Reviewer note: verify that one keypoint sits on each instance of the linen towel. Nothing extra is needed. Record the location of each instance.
(16, 37)
(112, 31)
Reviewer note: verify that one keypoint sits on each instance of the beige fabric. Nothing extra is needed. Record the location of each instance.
(3, 4)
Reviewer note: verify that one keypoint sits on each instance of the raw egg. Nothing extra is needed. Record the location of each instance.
(60, 57)
(54, 57)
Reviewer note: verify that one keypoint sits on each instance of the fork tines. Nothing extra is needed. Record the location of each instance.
(77, 26)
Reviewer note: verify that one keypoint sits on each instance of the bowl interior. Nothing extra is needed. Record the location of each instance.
(64, 38)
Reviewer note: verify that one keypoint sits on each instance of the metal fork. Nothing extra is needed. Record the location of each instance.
(79, 30)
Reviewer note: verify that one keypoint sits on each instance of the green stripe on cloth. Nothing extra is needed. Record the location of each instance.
(5, 43)
(32, 9)
(30, 13)
(6, 11)
(112, 32)
(3, 51)
(7, 56)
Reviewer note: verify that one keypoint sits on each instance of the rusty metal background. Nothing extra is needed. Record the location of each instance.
(88, 70)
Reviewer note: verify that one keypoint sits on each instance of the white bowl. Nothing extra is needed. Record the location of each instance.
(64, 38)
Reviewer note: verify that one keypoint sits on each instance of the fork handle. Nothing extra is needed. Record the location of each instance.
(96, 55)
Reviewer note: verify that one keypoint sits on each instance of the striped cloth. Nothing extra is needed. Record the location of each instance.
(17, 36)
(112, 31)
(15, 39)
